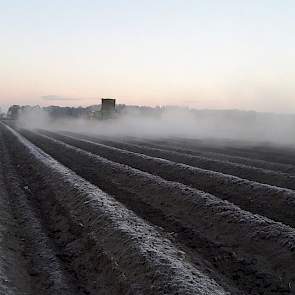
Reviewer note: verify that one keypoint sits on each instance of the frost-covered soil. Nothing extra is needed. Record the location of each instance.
(88, 215)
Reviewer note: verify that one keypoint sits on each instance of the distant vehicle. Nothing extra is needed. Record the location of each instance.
(108, 108)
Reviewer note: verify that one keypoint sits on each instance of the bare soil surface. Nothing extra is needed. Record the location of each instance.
(266, 152)
(88, 215)
(179, 147)
(271, 201)
(263, 175)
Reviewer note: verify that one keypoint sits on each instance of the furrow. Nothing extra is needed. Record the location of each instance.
(150, 263)
(270, 201)
(47, 272)
(14, 277)
(172, 146)
(242, 149)
(253, 240)
(243, 171)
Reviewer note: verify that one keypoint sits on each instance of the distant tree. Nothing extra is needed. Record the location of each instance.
(14, 111)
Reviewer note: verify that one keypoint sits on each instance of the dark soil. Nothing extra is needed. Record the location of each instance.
(94, 244)
(141, 218)
(270, 201)
(197, 220)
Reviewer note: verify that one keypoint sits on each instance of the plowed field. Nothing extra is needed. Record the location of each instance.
(83, 214)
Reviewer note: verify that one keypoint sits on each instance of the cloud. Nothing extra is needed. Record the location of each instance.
(58, 97)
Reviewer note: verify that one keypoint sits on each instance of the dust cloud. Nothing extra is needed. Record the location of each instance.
(242, 126)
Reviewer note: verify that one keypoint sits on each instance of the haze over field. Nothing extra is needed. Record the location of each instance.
(175, 122)
(203, 54)
(147, 147)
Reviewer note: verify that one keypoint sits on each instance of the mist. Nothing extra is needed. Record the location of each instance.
(250, 127)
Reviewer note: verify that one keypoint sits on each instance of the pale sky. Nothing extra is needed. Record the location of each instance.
(230, 54)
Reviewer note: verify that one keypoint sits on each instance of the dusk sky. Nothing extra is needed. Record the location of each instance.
(226, 54)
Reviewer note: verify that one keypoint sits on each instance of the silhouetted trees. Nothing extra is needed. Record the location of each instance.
(13, 111)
